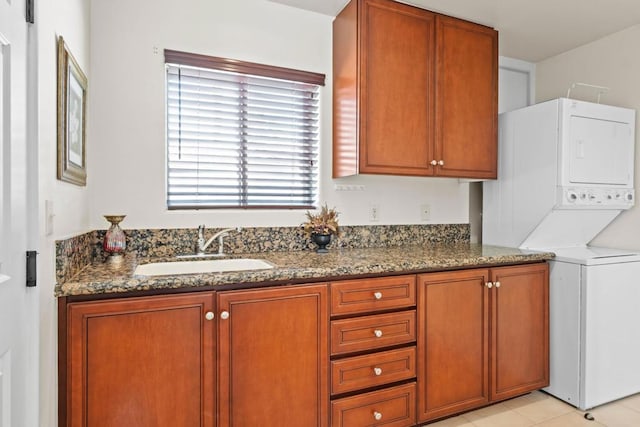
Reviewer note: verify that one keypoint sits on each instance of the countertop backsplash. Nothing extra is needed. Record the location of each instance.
(75, 253)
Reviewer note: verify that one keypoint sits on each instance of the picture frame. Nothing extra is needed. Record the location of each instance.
(71, 120)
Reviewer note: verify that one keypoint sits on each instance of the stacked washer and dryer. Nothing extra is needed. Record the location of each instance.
(566, 170)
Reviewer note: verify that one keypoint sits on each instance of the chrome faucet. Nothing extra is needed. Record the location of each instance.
(220, 235)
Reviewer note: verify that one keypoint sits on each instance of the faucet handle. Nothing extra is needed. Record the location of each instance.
(200, 241)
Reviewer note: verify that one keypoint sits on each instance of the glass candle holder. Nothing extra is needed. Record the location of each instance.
(115, 241)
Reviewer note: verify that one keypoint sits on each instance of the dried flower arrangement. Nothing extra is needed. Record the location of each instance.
(324, 222)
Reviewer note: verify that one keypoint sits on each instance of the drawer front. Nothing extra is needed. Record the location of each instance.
(391, 407)
(355, 373)
(367, 295)
(372, 332)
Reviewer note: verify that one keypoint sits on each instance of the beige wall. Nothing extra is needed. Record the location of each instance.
(613, 61)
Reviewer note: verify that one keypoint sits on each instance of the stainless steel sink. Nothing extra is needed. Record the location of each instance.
(195, 267)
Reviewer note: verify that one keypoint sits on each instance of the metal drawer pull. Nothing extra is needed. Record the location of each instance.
(209, 315)
(377, 333)
(377, 371)
(377, 295)
(377, 415)
(224, 315)
(434, 162)
(489, 285)
(441, 162)
(497, 284)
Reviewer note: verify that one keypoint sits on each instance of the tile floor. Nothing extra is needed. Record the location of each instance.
(542, 410)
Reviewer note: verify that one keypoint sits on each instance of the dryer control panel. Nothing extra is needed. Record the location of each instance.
(595, 198)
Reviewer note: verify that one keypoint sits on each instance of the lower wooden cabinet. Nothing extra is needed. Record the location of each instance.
(144, 362)
(390, 407)
(373, 352)
(152, 361)
(280, 356)
(372, 332)
(520, 330)
(373, 370)
(483, 337)
(453, 342)
(273, 357)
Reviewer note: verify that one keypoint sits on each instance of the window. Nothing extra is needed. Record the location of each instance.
(240, 135)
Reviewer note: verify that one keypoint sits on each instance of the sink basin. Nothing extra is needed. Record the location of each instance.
(195, 267)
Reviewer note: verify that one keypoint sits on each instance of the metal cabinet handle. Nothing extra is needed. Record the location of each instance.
(377, 416)
(434, 162)
(489, 285)
(377, 295)
(377, 371)
(441, 162)
(209, 315)
(224, 315)
(377, 333)
(497, 284)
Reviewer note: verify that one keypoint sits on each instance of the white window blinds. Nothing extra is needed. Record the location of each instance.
(236, 140)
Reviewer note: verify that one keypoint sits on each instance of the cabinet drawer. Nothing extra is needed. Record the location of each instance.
(361, 296)
(391, 407)
(372, 332)
(355, 373)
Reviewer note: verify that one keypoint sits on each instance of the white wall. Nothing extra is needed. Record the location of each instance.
(70, 19)
(516, 89)
(126, 138)
(612, 61)
(516, 83)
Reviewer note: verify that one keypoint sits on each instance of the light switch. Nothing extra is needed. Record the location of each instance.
(48, 217)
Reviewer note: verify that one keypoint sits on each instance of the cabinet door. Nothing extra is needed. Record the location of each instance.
(145, 362)
(396, 88)
(520, 330)
(273, 357)
(453, 336)
(466, 99)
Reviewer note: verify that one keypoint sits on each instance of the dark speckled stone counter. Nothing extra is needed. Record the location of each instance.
(297, 267)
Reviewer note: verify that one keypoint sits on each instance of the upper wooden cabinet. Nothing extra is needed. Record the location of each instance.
(415, 93)
(383, 115)
(466, 99)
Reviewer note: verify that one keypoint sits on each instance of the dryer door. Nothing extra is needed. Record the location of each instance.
(597, 145)
(601, 152)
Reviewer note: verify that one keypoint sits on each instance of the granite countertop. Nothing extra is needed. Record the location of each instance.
(296, 267)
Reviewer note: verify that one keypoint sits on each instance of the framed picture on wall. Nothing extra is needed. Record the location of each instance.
(72, 100)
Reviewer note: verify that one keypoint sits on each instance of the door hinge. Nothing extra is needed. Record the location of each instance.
(31, 268)
(30, 12)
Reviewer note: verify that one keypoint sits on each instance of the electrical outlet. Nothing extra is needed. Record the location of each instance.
(343, 187)
(425, 212)
(374, 213)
